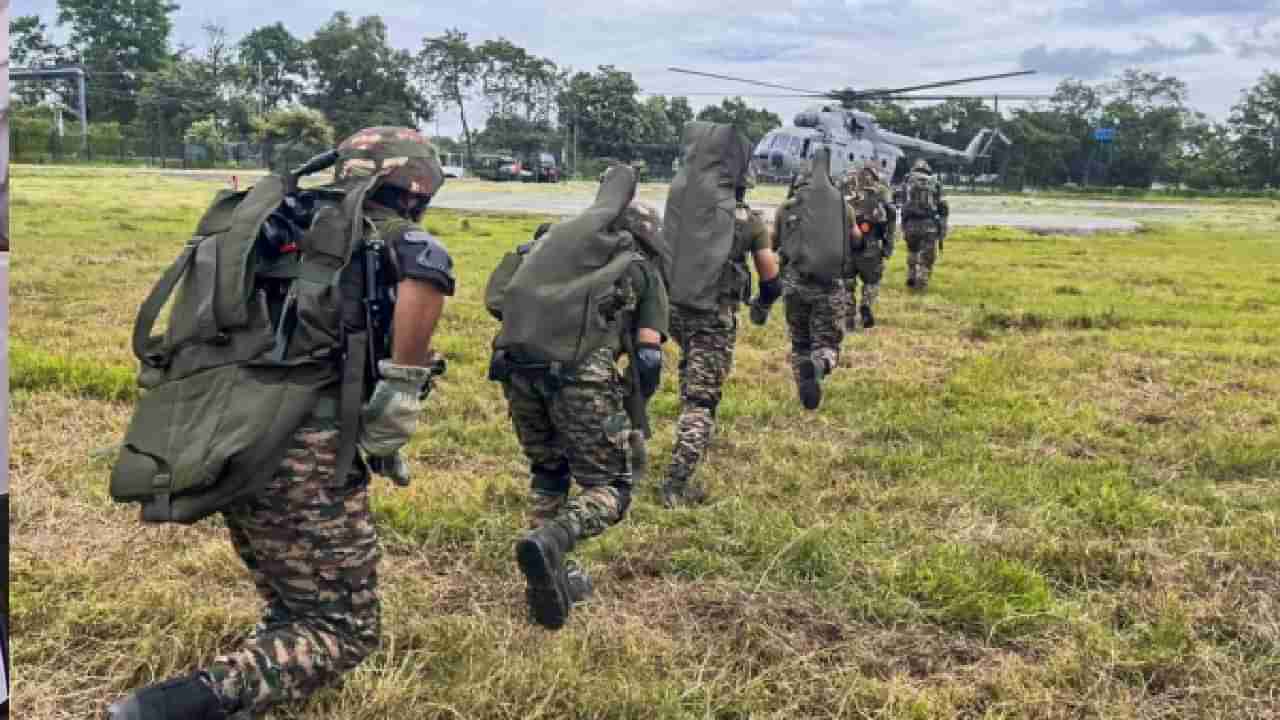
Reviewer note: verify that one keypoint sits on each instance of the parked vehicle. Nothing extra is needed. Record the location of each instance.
(499, 168)
(543, 169)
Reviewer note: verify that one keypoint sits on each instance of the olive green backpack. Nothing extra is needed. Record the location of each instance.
(249, 344)
(554, 300)
(815, 233)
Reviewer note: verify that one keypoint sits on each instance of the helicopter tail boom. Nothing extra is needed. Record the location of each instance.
(979, 147)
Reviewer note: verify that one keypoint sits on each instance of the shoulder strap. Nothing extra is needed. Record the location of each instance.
(145, 347)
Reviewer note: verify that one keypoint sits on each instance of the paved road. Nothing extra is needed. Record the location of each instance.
(1068, 217)
(459, 196)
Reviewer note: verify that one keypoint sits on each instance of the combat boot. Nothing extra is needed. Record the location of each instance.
(809, 382)
(186, 698)
(678, 492)
(868, 320)
(580, 586)
(541, 556)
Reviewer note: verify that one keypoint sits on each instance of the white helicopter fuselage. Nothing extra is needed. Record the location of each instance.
(854, 138)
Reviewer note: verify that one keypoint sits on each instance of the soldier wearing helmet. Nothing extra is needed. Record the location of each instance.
(877, 219)
(307, 536)
(924, 223)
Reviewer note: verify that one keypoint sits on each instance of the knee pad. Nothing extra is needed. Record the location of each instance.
(551, 478)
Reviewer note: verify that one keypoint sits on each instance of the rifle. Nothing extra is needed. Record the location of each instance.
(379, 306)
(636, 404)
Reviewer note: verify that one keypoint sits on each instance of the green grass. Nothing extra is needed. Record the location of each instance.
(1045, 490)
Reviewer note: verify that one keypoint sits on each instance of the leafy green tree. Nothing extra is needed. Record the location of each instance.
(275, 65)
(208, 132)
(177, 95)
(298, 125)
(1255, 121)
(119, 41)
(679, 112)
(451, 67)
(359, 79)
(752, 122)
(604, 109)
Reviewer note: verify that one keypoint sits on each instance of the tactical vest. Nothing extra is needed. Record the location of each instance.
(249, 347)
(563, 298)
(815, 233)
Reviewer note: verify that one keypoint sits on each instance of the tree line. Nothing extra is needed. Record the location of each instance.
(272, 86)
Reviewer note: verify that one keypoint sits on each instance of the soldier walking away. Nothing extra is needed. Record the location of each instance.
(816, 239)
(877, 220)
(711, 280)
(924, 223)
(571, 303)
(305, 531)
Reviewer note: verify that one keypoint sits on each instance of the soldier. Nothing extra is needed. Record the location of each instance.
(570, 407)
(924, 223)
(877, 220)
(816, 236)
(707, 332)
(307, 537)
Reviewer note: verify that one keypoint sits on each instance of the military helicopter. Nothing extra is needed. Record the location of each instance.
(854, 136)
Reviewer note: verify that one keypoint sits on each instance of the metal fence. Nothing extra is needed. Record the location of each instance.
(151, 151)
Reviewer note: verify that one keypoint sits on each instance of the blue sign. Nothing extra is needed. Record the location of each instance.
(1104, 134)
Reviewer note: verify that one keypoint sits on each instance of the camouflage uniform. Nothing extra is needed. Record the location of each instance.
(706, 340)
(871, 201)
(309, 542)
(815, 312)
(577, 427)
(922, 235)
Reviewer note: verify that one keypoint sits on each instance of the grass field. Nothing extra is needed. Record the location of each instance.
(1048, 489)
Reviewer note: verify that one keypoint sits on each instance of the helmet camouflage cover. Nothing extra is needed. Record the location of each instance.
(400, 156)
(921, 165)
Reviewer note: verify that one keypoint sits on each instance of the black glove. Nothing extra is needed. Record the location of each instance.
(649, 364)
(770, 291)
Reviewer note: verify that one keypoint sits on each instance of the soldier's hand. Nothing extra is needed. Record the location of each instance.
(649, 363)
(391, 415)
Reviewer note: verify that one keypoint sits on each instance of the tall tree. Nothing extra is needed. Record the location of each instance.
(119, 41)
(359, 79)
(275, 65)
(603, 108)
(451, 67)
(1255, 121)
(752, 122)
(679, 112)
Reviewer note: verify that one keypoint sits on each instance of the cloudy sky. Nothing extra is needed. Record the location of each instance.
(1219, 47)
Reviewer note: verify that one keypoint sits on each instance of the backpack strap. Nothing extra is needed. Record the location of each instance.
(145, 347)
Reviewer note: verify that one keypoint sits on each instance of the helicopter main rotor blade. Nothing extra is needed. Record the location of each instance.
(1002, 96)
(813, 93)
(866, 94)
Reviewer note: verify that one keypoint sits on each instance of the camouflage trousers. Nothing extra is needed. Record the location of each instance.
(309, 542)
(575, 428)
(706, 342)
(815, 320)
(922, 250)
(869, 269)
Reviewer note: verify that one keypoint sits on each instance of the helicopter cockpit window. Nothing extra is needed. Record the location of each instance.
(804, 151)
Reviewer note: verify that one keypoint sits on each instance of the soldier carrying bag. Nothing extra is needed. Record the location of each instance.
(255, 333)
(815, 232)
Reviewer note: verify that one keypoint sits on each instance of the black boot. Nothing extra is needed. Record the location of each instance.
(185, 698)
(759, 313)
(541, 558)
(868, 320)
(809, 383)
(580, 585)
(679, 492)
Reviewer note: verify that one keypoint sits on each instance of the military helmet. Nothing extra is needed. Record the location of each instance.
(401, 157)
(922, 166)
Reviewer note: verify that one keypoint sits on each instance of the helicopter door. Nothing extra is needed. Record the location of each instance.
(804, 150)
